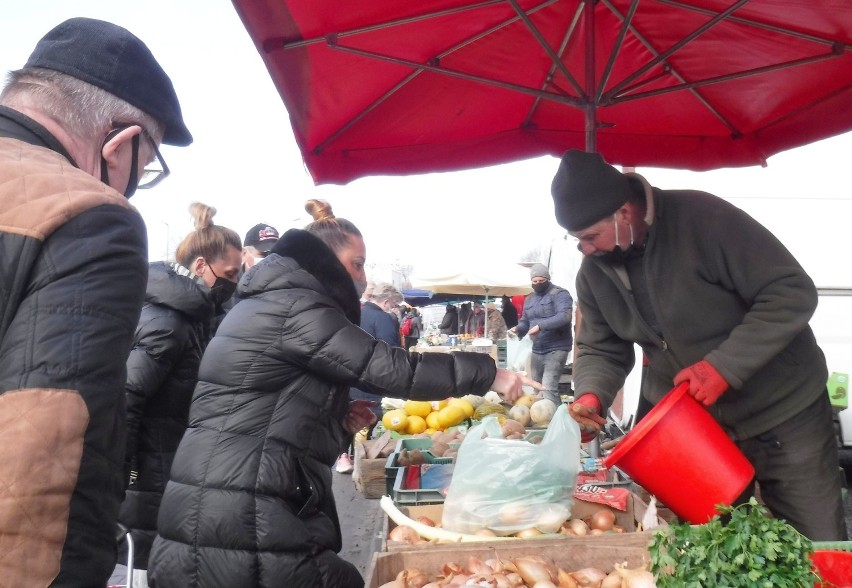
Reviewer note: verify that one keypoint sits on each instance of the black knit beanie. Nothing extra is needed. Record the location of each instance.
(586, 189)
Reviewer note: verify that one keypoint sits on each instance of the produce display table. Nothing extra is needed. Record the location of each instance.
(492, 350)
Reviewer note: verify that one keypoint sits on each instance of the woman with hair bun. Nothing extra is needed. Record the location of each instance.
(174, 328)
(249, 502)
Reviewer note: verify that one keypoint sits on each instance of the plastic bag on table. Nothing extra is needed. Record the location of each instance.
(510, 485)
(518, 353)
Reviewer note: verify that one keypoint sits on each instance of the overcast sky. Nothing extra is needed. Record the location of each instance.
(244, 160)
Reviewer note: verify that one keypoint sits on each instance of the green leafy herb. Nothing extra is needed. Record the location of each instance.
(751, 550)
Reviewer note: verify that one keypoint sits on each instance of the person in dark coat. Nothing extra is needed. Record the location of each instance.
(162, 370)
(249, 502)
(509, 312)
(376, 320)
(79, 123)
(450, 323)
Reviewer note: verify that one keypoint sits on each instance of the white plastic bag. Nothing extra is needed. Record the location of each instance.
(518, 353)
(510, 485)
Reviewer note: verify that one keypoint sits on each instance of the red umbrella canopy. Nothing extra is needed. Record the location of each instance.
(388, 87)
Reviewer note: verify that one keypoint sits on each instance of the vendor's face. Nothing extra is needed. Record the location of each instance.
(597, 239)
(353, 257)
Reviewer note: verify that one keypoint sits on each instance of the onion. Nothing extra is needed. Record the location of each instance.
(545, 584)
(477, 566)
(613, 580)
(485, 533)
(589, 577)
(426, 521)
(576, 527)
(635, 578)
(412, 578)
(565, 579)
(602, 519)
(526, 533)
(404, 534)
(532, 571)
(514, 513)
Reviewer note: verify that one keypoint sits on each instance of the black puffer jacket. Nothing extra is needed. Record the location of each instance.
(162, 371)
(249, 502)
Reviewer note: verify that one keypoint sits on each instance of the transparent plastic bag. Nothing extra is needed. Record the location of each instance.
(512, 485)
(518, 353)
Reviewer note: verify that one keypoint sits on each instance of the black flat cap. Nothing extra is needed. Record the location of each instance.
(113, 59)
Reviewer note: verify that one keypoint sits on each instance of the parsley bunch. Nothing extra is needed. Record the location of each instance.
(750, 551)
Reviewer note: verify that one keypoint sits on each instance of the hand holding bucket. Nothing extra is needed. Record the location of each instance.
(680, 454)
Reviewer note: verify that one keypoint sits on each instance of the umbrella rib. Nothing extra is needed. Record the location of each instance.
(625, 97)
(754, 23)
(570, 100)
(548, 79)
(626, 25)
(555, 59)
(332, 42)
(677, 46)
(672, 70)
(284, 43)
(320, 147)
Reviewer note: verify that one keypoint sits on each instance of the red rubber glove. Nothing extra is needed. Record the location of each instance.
(586, 410)
(705, 383)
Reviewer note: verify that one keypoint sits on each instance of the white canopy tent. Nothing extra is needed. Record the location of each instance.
(476, 278)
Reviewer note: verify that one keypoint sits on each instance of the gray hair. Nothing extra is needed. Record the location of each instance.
(80, 108)
(384, 291)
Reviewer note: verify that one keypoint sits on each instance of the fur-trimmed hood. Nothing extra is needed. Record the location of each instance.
(301, 260)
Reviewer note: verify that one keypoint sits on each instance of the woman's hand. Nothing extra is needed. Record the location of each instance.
(359, 415)
(508, 384)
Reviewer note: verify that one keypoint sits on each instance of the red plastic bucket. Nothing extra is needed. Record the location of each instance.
(680, 454)
(835, 567)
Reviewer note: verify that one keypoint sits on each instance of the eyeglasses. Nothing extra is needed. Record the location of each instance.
(156, 171)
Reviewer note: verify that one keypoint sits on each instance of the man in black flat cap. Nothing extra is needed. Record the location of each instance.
(715, 300)
(80, 128)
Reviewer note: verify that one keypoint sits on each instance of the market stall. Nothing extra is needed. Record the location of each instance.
(480, 277)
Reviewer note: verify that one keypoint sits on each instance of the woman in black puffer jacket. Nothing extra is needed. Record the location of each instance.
(174, 328)
(249, 502)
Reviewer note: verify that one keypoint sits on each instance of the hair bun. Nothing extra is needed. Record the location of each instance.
(319, 209)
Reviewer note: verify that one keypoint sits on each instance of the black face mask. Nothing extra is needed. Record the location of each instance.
(541, 287)
(221, 290)
(619, 255)
(133, 180)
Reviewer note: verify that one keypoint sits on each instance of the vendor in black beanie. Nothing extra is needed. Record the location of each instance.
(715, 301)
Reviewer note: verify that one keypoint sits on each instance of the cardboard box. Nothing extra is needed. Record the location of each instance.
(583, 552)
(369, 474)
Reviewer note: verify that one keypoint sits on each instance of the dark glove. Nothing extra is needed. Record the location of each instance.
(705, 383)
(586, 410)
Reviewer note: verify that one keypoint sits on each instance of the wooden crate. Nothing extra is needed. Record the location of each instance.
(369, 474)
(628, 520)
(583, 552)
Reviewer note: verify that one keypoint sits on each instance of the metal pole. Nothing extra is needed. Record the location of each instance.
(591, 107)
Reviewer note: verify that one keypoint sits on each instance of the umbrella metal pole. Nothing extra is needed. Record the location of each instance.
(591, 93)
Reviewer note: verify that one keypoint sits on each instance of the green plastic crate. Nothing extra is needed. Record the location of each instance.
(416, 496)
(392, 465)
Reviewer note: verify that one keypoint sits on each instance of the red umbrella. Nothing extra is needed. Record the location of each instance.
(397, 87)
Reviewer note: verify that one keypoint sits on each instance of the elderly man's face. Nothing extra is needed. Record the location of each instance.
(597, 239)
